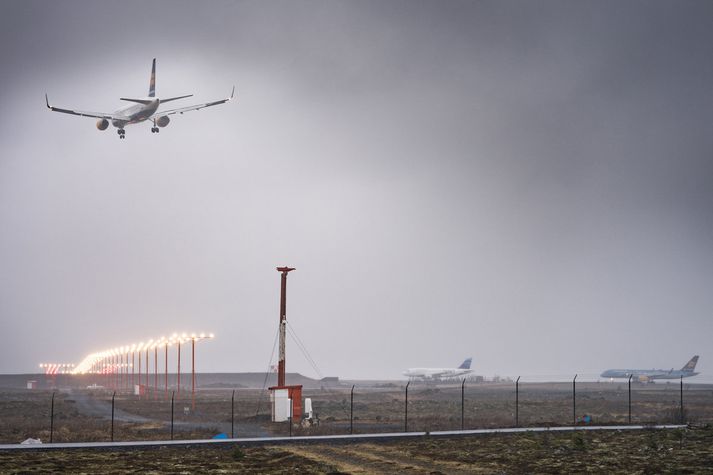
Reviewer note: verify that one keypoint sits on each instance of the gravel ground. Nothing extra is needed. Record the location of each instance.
(647, 451)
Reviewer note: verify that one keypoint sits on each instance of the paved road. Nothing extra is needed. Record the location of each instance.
(93, 407)
(322, 438)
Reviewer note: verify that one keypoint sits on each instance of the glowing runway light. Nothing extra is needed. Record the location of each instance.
(102, 361)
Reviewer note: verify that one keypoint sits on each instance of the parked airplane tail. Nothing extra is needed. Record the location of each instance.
(691, 365)
(152, 84)
(466, 364)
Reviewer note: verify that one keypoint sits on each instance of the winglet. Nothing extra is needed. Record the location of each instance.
(232, 94)
(47, 101)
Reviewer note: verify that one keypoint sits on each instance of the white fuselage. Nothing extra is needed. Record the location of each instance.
(436, 373)
(647, 374)
(136, 113)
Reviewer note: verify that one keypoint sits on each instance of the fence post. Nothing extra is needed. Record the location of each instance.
(406, 409)
(630, 376)
(112, 416)
(351, 411)
(232, 416)
(172, 394)
(52, 418)
(574, 400)
(517, 402)
(462, 405)
(681, 400)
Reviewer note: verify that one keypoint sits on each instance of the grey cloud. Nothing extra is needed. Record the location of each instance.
(523, 182)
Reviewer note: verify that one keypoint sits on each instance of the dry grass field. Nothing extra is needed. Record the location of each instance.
(647, 451)
(25, 414)
(83, 415)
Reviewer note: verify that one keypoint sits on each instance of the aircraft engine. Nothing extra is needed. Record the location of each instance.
(163, 121)
(102, 124)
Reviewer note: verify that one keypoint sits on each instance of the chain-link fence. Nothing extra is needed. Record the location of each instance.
(85, 415)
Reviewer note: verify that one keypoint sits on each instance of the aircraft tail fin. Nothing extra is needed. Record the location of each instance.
(691, 365)
(466, 364)
(152, 84)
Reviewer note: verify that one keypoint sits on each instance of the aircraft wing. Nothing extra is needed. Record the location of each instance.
(436, 374)
(98, 115)
(196, 107)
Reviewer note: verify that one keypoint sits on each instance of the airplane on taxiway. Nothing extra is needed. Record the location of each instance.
(648, 375)
(439, 373)
(143, 109)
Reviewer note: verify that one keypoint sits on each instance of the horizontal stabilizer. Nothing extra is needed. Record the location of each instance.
(139, 101)
(175, 98)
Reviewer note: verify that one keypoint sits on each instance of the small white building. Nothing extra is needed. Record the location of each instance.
(281, 405)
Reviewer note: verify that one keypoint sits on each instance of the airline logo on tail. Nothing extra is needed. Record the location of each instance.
(466, 364)
(691, 365)
(152, 84)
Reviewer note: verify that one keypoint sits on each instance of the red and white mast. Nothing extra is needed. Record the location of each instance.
(283, 324)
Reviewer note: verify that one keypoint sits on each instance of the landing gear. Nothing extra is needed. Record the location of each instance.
(121, 133)
(155, 130)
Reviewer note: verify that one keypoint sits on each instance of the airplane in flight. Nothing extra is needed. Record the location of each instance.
(143, 109)
(439, 373)
(649, 375)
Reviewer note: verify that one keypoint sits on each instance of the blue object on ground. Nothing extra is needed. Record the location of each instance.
(222, 435)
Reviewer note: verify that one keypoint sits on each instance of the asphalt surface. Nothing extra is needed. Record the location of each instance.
(319, 439)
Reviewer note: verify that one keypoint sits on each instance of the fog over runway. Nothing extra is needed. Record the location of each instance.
(526, 183)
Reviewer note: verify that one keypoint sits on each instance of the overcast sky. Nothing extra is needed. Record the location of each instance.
(525, 182)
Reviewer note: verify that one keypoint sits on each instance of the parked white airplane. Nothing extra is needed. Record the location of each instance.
(648, 375)
(439, 373)
(145, 108)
